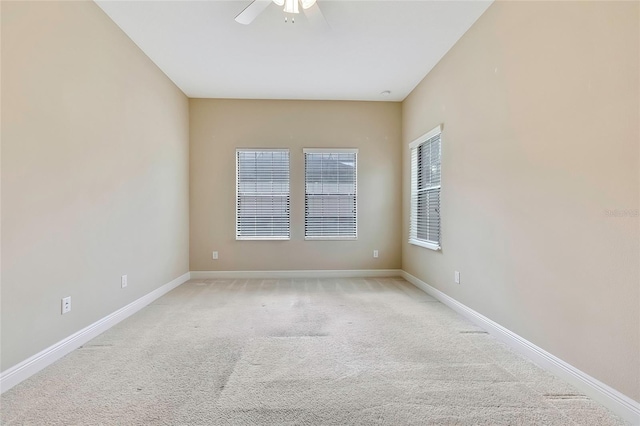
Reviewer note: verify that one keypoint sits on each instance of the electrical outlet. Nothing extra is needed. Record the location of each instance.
(66, 305)
(123, 281)
(215, 255)
(375, 254)
(456, 277)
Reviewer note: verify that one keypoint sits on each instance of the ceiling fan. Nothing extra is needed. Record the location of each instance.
(291, 7)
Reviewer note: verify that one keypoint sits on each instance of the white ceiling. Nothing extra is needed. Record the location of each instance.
(370, 47)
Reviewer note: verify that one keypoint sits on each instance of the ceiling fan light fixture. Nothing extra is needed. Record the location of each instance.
(291, 6)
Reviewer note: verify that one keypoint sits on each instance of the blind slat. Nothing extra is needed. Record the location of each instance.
(331, 194)
(426, 172)
(262, 194)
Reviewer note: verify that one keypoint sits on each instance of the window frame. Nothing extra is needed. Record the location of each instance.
(413, 196)
(271, 237)
(355, 194)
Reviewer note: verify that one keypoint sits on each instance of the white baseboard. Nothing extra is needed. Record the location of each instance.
(19, 372)
(354, 273)
(617, 402)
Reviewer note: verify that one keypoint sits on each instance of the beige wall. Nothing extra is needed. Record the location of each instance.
(94, 173)
(539, 102)
(218, 127)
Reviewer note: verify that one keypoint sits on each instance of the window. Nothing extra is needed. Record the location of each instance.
(262, 194)
(424, 225)
(330, 177)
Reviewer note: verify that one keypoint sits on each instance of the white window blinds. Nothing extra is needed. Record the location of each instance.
(424, 225)
(330, 200)
(262, 194)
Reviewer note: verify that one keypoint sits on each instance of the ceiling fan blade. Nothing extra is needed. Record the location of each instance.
(315, 17)
(252, 11)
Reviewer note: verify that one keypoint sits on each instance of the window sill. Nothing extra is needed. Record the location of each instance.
(425, 244)
(263, 238)
(331, 238)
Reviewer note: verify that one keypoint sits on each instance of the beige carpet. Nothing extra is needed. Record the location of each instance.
(307, 352)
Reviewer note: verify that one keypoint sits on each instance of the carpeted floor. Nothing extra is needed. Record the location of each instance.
(308, 352)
